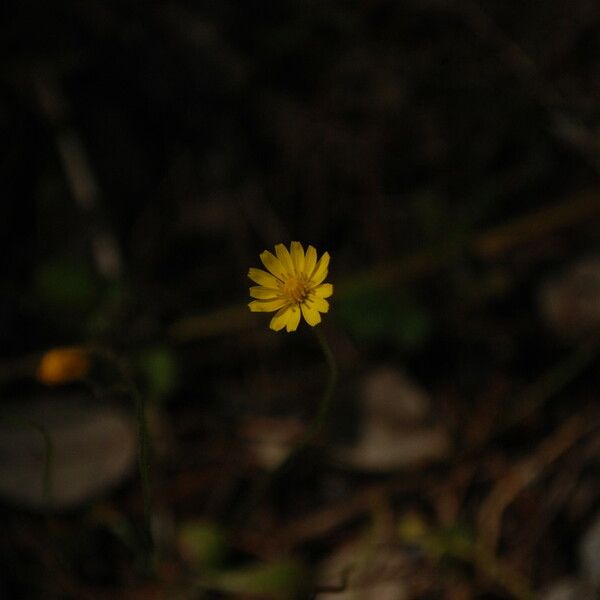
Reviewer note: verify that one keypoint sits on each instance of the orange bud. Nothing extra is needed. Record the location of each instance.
(63, 365)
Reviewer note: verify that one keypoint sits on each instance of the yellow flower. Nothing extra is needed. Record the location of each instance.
(293, 287)
(63, 365)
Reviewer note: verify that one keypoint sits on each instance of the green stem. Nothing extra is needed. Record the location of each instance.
(48, 454)
(144, 460)
(325, 404)
(144, 457)
(311, 434)
(48, 461)
(144, 451)
(322, 411)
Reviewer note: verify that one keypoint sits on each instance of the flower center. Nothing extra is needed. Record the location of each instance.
(295, 289)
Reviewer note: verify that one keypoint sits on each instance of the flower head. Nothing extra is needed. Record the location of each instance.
(63, 365)
(293, 286)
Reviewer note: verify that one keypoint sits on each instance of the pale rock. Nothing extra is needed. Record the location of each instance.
(570, 302)
(364, 570)
(394, 427)
(93, 449)
(389, 393)
(382, 448)
(569, 589)
(589, 553)
(385, 590)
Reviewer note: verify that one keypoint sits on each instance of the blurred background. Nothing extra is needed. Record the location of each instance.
(446, 153)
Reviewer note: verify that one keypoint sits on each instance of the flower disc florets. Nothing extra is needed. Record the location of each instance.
(296, 289)
(293, 287)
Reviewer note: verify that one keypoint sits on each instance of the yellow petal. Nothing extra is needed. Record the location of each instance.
(311, 315)
(263, 278)
(320, 271)
(263, 293)
(283, 255)
(273, 264)
(317, 303)
(324, 290)
(320, 276)
(310, 260)
(281, 318)
(267, 305)
(297, 254)
(294, 319)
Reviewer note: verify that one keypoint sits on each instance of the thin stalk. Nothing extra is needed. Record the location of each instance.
(144, 460)
(48, 462)
(48, 455)
(312, 432)
(553, 382)
(325, 404)
(323, 409)
(144, 452)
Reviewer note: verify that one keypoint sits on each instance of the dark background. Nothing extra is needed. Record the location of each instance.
(445, 153)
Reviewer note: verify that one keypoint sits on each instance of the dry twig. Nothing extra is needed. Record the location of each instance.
(526, 472)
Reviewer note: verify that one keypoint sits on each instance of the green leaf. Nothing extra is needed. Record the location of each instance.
(456, 541)
(282, 580)
(66, 285)
(375, 314)
(160, 370)
(203, 544)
